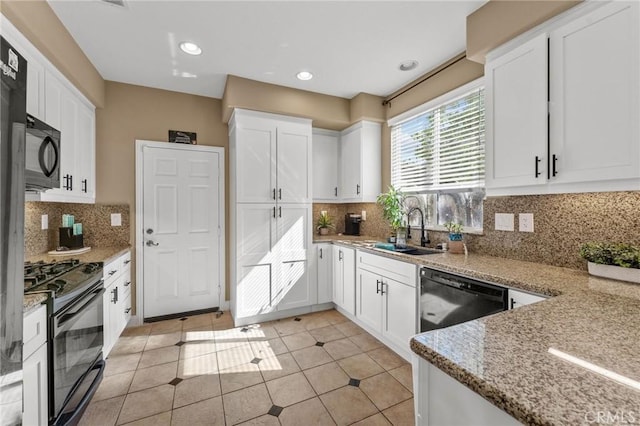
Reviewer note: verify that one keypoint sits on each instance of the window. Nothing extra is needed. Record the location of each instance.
(437, 157)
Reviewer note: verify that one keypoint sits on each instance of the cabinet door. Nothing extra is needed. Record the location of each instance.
(35, 87)
(350, 144)
(293, 287)
(520, 298)
(293, 164)
(325, 166)
(108, 327)
(595, 95)
(338, 276)
(324, 264)
(85, 158)
(255, 258)
(516, 116)
(399, 313)
(256, 164)
(369, 299)
(35, 388)
(349, 280)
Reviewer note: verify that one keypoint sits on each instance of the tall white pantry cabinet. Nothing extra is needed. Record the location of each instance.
(271, 223)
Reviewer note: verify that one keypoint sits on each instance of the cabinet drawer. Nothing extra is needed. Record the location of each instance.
(403, 272)
(34, 331)
(125, 283)
(112, 270)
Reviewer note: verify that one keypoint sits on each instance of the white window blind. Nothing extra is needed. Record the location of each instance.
(442, 148)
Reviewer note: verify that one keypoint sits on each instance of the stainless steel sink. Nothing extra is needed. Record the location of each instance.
(415, 251)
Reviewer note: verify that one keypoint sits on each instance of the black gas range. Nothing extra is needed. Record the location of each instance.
(75, 333)
(65, 280)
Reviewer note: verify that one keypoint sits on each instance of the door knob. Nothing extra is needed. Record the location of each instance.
(149, 231)
(152, 243)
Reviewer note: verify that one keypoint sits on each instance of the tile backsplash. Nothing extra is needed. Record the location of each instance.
(561, 223)
(95, 219)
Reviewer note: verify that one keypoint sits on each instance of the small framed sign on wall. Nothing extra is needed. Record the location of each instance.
(179, 136)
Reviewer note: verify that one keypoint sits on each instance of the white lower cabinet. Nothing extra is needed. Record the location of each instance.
(34, 368)
(344, 283)
(324, 272)
(271, 260)
(521, 298)
(116, 299)
(440, 400)
(386, 298)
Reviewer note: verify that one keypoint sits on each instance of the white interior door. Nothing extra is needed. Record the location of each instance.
(182, 238)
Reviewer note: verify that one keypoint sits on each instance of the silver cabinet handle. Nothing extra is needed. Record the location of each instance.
(126, 262)
(126, 311)
(152, 243)
(127, 284)
(112, 272)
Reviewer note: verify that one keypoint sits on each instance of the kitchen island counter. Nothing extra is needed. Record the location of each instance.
(566, 360)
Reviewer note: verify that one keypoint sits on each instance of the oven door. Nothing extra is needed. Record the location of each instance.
(77, 348)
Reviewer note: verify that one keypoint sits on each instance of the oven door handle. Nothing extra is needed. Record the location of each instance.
(67, 316)
(74, 418)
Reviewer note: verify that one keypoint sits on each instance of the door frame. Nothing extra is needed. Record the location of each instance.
(138, 318)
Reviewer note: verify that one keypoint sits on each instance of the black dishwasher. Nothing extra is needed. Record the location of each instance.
(447, 299)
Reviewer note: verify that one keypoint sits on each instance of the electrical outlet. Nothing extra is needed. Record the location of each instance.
(116, 219)
(526, 222)
(45, 221)
(364, 215)
(504, 222)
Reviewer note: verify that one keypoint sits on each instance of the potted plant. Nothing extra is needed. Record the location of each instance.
(324, 223)
(617, 261)
(456, 245)
(392, 210)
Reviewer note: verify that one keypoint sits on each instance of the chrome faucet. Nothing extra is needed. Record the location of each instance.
(424, 238)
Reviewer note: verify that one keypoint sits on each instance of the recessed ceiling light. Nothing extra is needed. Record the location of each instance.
(304, 75)
(190, 48)
(408, 65)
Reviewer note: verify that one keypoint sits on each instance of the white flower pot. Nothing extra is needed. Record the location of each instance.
(615, 272)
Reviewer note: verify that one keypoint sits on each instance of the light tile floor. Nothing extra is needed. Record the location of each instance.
(315, 369)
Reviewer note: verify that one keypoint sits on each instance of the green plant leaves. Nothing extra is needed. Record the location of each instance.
(618, 254)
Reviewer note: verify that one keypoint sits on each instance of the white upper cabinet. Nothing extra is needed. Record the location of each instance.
(75, 119)
(326, 163)
(579, 131)
(516, 116)
(360, 158)
(52, 98)
(274, 158)
(595, 91)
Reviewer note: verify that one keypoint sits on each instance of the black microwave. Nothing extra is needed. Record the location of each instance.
(42, 155)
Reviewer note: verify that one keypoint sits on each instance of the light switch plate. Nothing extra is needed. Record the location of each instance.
(116, 219)
(526, 222)
(504, 222)
(364, 215)
(45, 221)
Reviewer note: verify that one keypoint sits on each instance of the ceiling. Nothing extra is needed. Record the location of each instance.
(349, 46)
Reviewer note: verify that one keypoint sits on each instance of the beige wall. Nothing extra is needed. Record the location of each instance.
(134, 112)
(499, 21)
(37, 22)
(327, 112)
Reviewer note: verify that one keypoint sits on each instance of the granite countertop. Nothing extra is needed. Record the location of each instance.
(32, 301)
(560, 361)
(104, 254)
